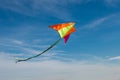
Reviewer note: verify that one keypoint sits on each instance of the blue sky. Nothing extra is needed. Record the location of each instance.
(94, 47)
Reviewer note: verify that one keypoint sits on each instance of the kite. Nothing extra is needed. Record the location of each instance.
(64, 30)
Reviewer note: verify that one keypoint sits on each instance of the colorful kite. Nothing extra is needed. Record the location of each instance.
(64, 29)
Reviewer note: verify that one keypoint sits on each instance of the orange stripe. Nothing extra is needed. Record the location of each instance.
(60, 26)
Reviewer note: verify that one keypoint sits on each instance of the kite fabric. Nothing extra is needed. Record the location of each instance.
(64, 30)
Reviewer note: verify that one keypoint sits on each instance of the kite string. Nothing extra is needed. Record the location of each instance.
(19, 60)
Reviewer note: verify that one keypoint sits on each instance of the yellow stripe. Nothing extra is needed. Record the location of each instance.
(64, 30)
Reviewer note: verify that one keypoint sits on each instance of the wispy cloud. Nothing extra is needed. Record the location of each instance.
(113, 3)
(38, 7)
(96, 23)
(21, 49)
(17, 42)
(56, 8)
(20, 46)
(114, 58)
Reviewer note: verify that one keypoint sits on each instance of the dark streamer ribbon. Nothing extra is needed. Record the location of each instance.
(20, 60)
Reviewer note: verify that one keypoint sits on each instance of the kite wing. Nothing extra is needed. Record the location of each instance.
(64, 29)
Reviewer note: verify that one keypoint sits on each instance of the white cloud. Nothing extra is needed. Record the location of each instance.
(21, 49)
(56, 8)
(96, 23)
(113, 3)
(114, 58)
(37, 7)
(17, 42)
(106, 22)
(57, 70)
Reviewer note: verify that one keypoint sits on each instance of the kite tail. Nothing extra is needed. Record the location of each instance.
(19, 60)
